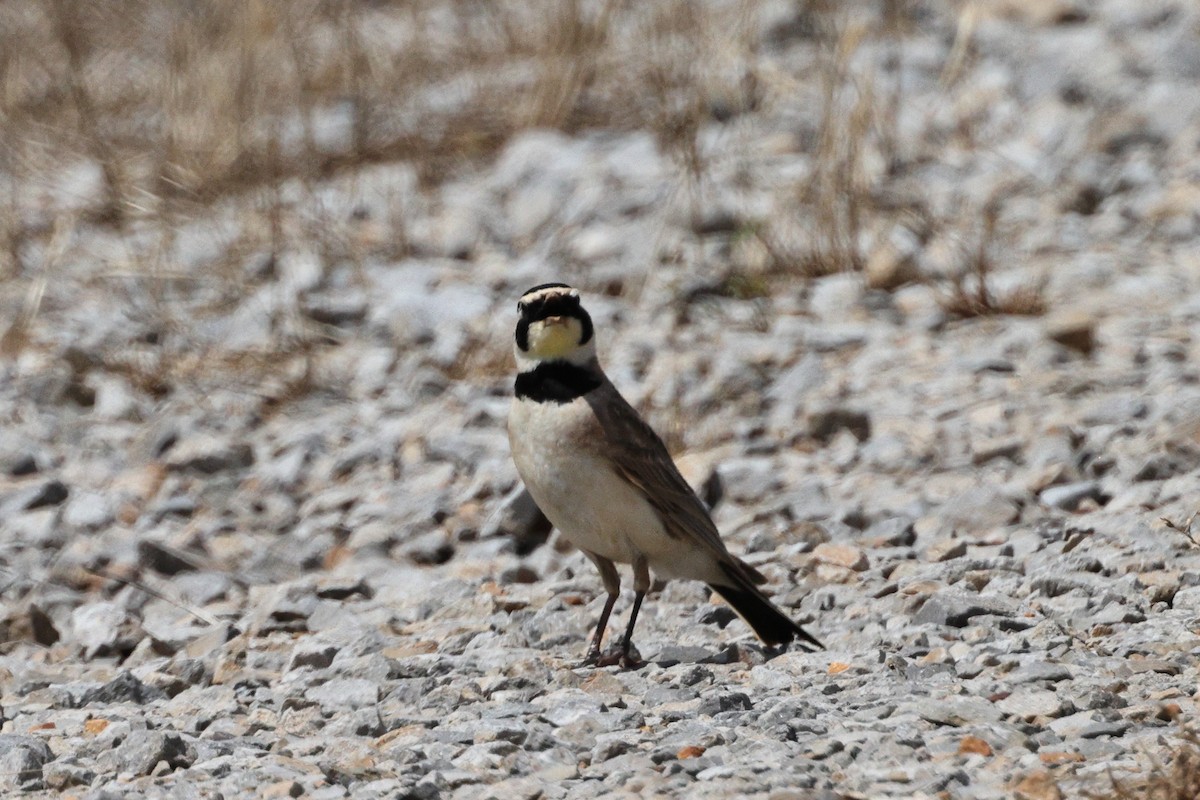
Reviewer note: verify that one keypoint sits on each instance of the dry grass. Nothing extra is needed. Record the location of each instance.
(839, 210)
(1176, 779)
(202, 100)
(144, 122)
(1184, 528)
(824, 235)
(971, 293)
(143, 118)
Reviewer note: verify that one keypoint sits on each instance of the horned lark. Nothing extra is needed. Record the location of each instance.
(607, 482)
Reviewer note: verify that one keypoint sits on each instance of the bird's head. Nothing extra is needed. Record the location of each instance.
(553, 326)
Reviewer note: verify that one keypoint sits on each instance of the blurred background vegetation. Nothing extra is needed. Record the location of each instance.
(189, 147)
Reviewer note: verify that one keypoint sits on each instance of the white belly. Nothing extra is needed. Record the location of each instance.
(577, 490)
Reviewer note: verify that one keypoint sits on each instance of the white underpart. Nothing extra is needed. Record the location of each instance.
(588, 501)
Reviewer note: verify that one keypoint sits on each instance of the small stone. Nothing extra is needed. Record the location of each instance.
(521, 518)
(611, 748)
(713, 614)
(141, 751)
(791, 389)
(979, 510)
(566, 706)
(103, 628)
(725, 701)
(430, 549)
(842, 555)
(989, 450)
(317, 655)
(202, 587)
(1158, 468)
(1040, 671)
(48, 493)
(1070, 496)
(836, 296)
(345, 693)
(1187, 599)
(1075, 331)
(1038, 786)
(681, 654)
(946, 550)
(892, 532)
(88, 510)
(955, 608)
(889, 267)
(21, 761)
(1112, 728)
(125, 688)
(1031, 704)
(280, 608)
(1115, 409)
(210, 642)
(973, 745)
(209, 455)
(335, 310)
(958, 711)
(1073, 725)
(67, 772)
(41, 626)
(20, 465)
(520, 574)
(820, 749)
(280, 789)
(343, 587)
(19, 456)
(163, 558)
(824, 425)
(1161, 585)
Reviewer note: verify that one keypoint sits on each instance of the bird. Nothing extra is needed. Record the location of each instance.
(606, 481)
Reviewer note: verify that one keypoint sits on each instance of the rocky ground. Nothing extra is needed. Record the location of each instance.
(262, 536)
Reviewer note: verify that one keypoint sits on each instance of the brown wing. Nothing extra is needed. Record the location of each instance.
(640, 456)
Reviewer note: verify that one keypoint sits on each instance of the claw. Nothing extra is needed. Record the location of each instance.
(592, 659)
(623, 656)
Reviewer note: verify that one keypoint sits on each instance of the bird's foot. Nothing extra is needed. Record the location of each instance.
(625, 656)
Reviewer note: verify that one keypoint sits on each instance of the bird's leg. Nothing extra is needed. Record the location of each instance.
(626, 655)
(593, 654)
(612, 585)
(630, 657)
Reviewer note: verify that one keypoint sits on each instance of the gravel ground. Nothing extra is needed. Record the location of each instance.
(326, 582)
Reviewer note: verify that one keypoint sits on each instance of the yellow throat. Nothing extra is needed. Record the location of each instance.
(555, 341)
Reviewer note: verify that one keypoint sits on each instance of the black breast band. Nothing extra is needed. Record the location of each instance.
(556, 382)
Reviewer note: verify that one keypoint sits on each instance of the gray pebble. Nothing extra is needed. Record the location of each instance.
(41, 495)
(209, 455)
(22, 759)
(1069, 496)
(956, 608)
(344, 693)
(124, 688)
(142, 750)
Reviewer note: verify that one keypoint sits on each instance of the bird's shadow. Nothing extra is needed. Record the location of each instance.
(747, 653)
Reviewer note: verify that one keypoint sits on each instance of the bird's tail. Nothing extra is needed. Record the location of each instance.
(772, 625)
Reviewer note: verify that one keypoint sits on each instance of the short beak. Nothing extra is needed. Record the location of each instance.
(555, 320)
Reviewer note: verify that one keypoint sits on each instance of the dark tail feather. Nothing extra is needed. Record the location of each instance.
(772, 625)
